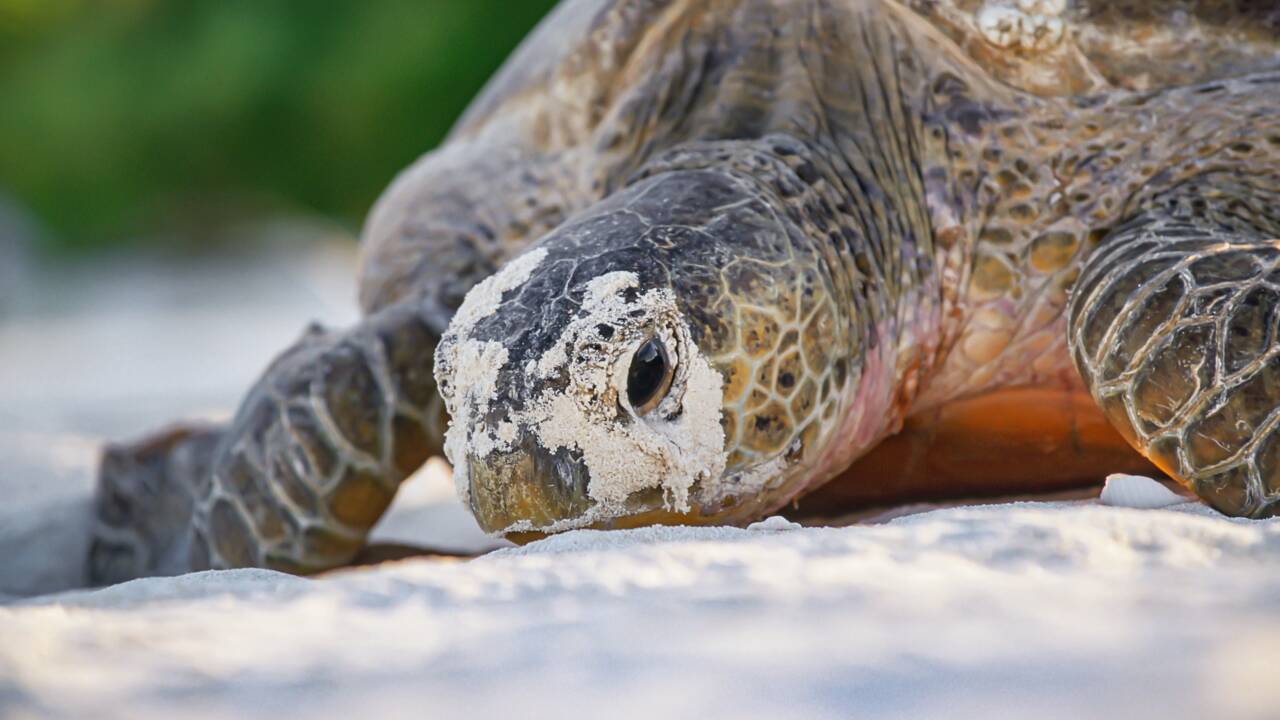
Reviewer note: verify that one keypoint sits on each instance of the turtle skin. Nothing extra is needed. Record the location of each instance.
(832, 223)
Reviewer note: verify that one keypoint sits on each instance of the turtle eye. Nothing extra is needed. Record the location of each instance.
(649, 377)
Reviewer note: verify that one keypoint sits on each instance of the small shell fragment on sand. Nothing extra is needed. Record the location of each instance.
(1137, 491)
(774, 523)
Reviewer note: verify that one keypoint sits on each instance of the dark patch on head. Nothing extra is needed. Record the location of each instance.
(970, 120)
(711, 329)
(1085, 102)
(973, 117)
(808, 173)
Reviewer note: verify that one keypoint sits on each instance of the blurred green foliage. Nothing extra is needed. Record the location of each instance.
(122, 117)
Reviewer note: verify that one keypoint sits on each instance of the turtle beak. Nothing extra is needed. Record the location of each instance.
(527, 492)
(527, 483)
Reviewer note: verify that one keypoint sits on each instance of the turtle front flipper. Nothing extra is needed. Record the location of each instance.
(296, 481)
(1173, 326)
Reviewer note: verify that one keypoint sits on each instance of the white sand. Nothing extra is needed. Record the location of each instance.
(1030, 610)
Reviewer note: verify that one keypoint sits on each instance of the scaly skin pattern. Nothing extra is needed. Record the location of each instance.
(831, 215)
(1174, 326)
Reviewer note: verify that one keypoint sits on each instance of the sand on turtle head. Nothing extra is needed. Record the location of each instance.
(625, 456)
(467, 370)
(483, 299)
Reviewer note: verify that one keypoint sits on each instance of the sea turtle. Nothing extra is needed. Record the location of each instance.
(685, 261)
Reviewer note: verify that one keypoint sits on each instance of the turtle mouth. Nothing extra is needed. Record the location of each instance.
(527, 487)
(528, 492)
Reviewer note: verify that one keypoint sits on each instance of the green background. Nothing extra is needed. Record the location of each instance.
(126, 121)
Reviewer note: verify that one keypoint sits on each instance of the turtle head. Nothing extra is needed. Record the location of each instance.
(671, 356)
